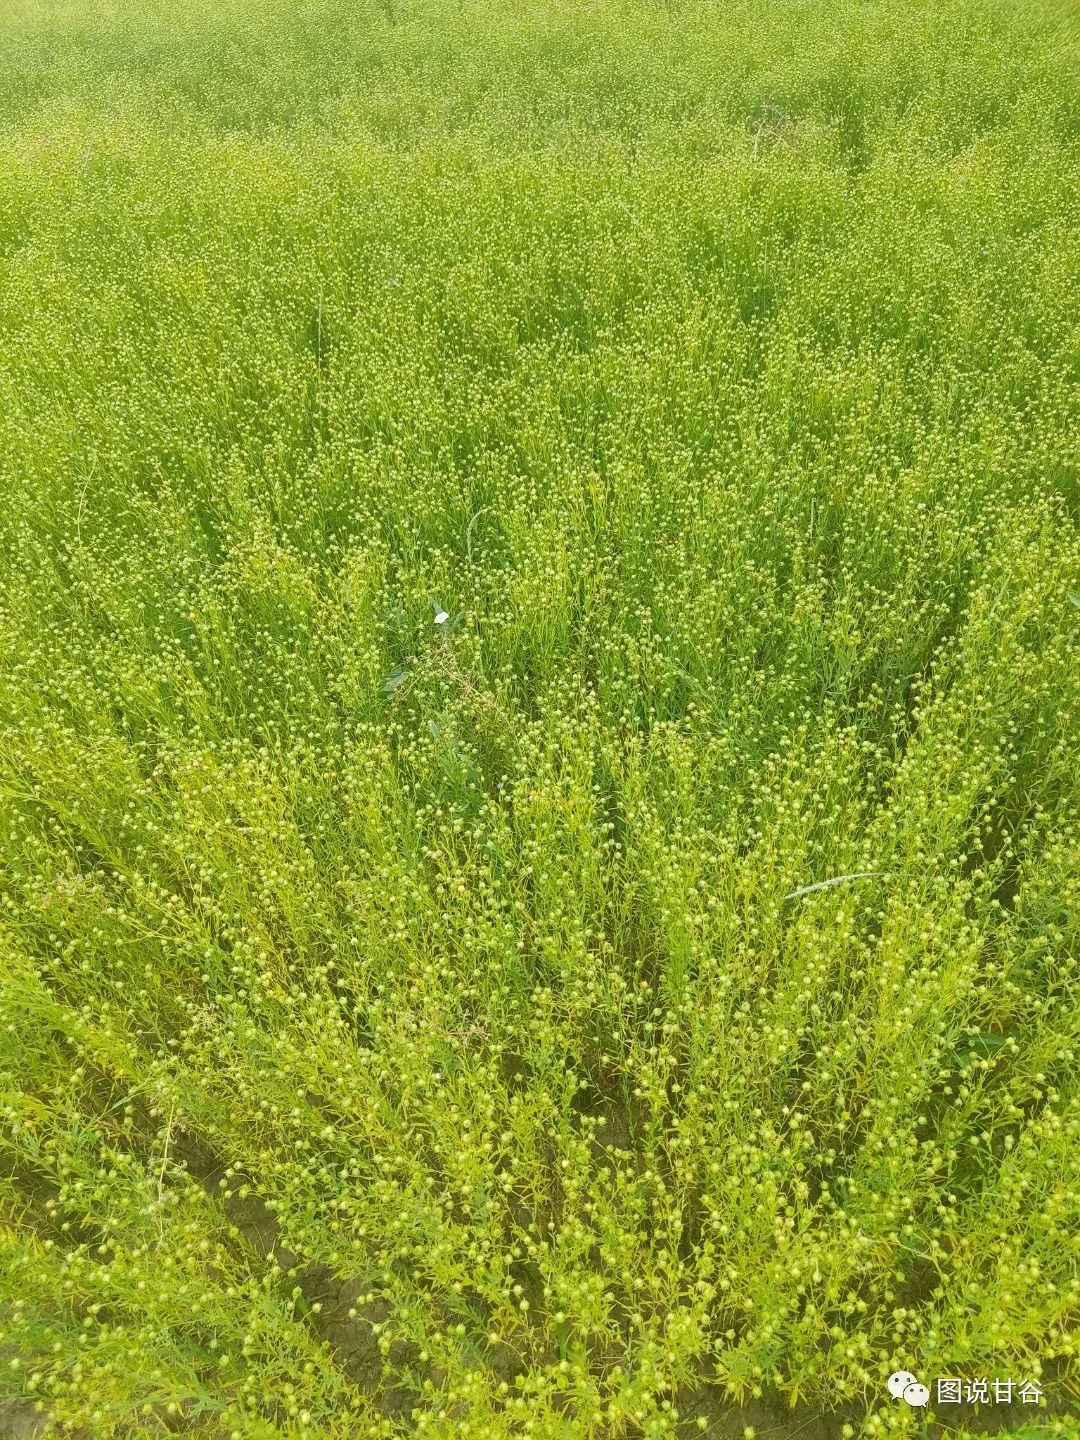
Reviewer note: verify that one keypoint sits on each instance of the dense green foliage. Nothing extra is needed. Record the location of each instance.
(493, 500)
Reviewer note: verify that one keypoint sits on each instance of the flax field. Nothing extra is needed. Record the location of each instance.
(539, 718)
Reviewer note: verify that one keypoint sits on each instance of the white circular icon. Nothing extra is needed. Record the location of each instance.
(899, 1382)
(916, 1394)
